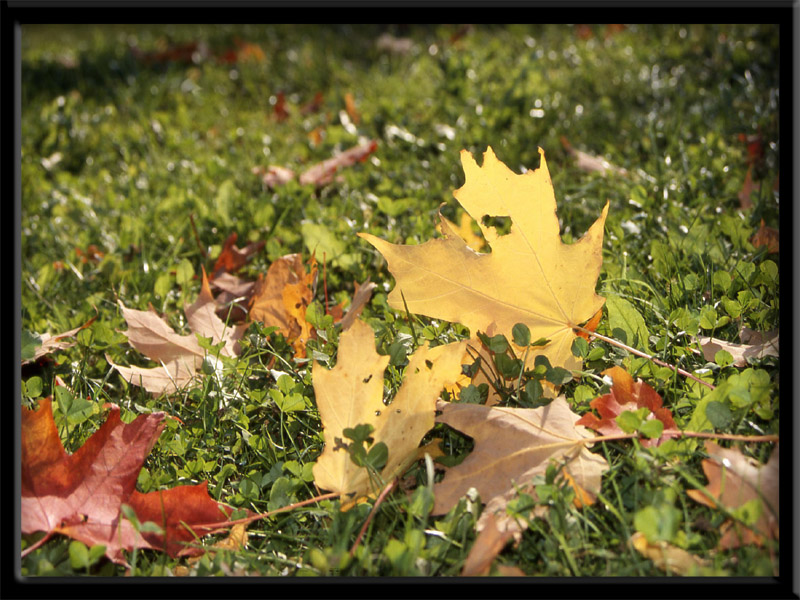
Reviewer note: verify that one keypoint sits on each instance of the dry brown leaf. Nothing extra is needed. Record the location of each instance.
(321, 173)
(735, 479)
(487, 546)
(267, 303)
(361, 296)
(767, 346)
(512, 445)
(669, 558)
(51, 343)
(181, 356)
(589, 163)
(351, 394)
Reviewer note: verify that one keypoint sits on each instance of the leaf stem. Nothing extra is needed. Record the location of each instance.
(660, 362)
(374, 510)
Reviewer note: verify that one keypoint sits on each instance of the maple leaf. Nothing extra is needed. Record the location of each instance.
(351, 394)
(765, 344)
(530, 276)
(280, 299)
(733, 481)
(81, 495)
(49, 343)
(627, 394)
(512, 445)
(180, 355)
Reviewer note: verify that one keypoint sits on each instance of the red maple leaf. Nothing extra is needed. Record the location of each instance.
(627, 394)
(81, 495)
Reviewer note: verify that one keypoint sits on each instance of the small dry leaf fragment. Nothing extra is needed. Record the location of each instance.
(319, 174)
(766, 236)
(627, 394)
(487, 546)
(351, 393)
(512, 445)
(396, 45)
(762, 346)
(361, 296)
(181, 356)
(734, 480)
(81, 495)
(445, 279)
(589, 163)
(51, 343)
(748, 187)
(323, 173)
(669, 558)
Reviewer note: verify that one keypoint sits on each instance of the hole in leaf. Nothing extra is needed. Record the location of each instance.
(501, 224)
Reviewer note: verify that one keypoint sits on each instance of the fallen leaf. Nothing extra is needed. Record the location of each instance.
(276, 296)
(51, 343)
(512, 445)
(351, 393)
(350, 107)
(274, 175)
(734, 480)
(669, 558)
(361, 296)
(529, 277)
(314, 106)
(319, 174)
(767, 346)
(755, 148)
(231, 258)
(233, 297)
(748, 187)
(485, 548)
(627, 394)
(589, 163)
(397, 45)
(766, 236)
(280, 111)
(81, 495)
(181, 356)
(322, 173)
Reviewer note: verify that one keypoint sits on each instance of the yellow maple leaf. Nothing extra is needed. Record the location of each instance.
(529, 277)
(351, 394)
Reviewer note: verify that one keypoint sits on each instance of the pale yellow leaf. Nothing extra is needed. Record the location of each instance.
(351, 393)
(529, 277)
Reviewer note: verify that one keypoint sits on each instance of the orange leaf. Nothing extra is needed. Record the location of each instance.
(766, 236)
(733, 480)
(625, 395)
(231, 258)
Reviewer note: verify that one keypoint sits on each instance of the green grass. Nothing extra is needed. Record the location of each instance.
(143, 147)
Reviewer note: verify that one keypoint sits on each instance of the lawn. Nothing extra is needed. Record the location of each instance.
(145, 147)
